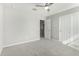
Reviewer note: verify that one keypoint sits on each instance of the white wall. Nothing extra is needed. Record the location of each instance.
(59, 7)
(55, 19)
(21, 24)
(48, 29)
(1, 27)
(54, 26)
(57, 10)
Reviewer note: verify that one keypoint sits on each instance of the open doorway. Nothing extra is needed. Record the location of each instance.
(42, 25)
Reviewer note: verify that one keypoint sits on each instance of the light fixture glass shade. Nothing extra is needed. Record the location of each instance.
(46, 8)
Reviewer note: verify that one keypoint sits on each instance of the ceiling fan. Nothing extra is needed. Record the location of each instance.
(44, 4)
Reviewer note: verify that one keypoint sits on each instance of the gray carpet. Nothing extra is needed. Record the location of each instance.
(40, 48)
(74, 44)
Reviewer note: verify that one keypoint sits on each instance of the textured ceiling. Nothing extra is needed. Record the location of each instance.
(40, 11)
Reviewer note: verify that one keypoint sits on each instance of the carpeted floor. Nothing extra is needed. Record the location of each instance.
(40, 48)
(74, 44)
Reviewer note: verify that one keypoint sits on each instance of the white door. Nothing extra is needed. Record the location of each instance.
(65, 27)
(48, 29)
(75, 18)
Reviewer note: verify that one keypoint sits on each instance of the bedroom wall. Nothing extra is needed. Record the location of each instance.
(60, 7)
(56, 10)
(20, 24)
(54, 26)
(55, 21)
(1, 27)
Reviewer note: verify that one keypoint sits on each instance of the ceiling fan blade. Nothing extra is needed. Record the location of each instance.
(46, 4)
(50, 4)
(40, 6)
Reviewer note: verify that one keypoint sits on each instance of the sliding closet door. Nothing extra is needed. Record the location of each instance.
(65, 27)
(48, 29)
(75, 18)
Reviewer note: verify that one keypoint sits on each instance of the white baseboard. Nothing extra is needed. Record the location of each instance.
(21, 43)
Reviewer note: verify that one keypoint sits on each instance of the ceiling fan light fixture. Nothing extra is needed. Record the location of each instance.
(46, 8)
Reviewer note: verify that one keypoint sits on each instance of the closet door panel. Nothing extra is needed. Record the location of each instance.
(64, 27)
(75, 19)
